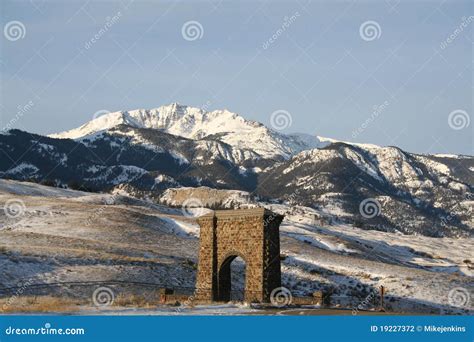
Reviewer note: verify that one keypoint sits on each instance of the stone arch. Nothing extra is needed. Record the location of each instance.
(253, 235)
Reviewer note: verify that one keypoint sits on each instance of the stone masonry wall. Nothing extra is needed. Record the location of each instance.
(252, 234)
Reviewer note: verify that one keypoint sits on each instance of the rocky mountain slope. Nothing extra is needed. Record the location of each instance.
(380, 188)
(145, 152)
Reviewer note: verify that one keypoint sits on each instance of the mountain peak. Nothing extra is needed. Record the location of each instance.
(196, 123)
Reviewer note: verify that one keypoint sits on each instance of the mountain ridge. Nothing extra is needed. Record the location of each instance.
(196, 123)
(413, 193)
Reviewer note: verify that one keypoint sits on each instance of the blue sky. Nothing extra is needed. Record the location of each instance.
(318, 68)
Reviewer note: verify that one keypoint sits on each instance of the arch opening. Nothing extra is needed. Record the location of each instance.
(232, 279)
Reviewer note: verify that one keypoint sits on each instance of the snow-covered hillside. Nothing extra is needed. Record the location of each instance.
(66, 237)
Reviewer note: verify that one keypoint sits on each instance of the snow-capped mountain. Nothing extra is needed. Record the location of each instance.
(195, 123)
(404, 192)
(145, 152)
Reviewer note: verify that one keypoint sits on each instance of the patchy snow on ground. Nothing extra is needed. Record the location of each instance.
(181, 228)
(70, 236)
(33, 189)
